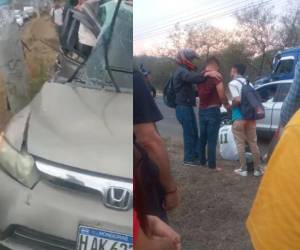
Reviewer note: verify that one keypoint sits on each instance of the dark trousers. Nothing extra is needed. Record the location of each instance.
(210, 121)
(186, 117)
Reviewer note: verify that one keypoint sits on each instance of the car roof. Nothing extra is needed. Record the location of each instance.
(290, 50)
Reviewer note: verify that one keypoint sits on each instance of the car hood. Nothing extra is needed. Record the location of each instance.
(84, 128)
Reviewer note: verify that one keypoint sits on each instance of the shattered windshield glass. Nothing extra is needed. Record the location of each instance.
(110, 63)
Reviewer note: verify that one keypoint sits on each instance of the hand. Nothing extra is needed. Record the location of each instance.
(214, 74)
(161, 229)
(164, 244)
(171, 200)
(228, 108)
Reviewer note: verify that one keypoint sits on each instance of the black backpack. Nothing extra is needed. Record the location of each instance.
(251, 104)
(169, 93)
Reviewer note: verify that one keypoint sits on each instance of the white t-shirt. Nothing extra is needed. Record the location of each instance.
(235, 86)
(86, 36)
(228, 149)
(57, 14)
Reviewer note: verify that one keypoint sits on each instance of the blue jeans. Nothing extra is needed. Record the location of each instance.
(210, 121)
(186, 117)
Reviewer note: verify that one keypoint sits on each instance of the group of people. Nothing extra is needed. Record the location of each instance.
(86, 39)
(200, 149)
(156, 191)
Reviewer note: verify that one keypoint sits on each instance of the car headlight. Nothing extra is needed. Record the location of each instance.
(19, 165)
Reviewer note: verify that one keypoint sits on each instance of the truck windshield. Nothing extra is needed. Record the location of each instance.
(285, 67)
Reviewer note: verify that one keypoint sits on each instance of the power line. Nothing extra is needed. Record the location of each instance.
(179, 15)
(216, 14)
(189, 17)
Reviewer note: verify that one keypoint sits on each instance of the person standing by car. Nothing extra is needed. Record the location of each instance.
(212, 95)
(243, 130)
(87, 40)
(185, 79)
(57, 16)
(145, 115)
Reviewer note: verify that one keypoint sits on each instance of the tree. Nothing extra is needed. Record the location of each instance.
(257, 28)
(205, 39)
(289, 34)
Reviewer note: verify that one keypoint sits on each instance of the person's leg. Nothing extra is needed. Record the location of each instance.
(203, 137)
(238, 130)
(194, 134)
(183, 114)
(251, 138)
(214, 122)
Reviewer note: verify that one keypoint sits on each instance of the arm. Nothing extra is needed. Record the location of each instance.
(236, 99)
(148, 137)
(222, 96)
(192, 77)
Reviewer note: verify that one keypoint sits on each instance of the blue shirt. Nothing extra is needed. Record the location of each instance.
(236, 114)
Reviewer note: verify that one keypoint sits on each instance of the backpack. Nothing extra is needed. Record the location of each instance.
(169, 93)
(251, 104)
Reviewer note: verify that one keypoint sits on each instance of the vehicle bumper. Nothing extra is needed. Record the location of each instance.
(53, 212)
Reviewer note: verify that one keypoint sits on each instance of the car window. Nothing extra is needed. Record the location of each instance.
(282, 92)
(267, 93)
(285, 67)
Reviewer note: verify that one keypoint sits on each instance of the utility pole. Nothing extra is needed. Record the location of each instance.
(12, 66)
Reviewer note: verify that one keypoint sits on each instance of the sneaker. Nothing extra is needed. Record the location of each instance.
(237, 170)
(191, 164)
(242, 173)
(258, 173)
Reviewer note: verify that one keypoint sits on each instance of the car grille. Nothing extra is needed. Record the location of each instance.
(115, 193)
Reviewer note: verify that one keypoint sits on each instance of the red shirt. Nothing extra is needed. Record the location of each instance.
(208, 95)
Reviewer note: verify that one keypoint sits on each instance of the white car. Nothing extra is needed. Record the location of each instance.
(272, 95)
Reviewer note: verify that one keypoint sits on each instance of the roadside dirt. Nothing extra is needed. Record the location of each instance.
(39, 59)
(214, 205)
(41, 38)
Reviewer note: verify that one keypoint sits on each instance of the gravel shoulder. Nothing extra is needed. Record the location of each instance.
(214, 205)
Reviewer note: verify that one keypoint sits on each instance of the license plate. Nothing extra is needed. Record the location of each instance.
(90, 238)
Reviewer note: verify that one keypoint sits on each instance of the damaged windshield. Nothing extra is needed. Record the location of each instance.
(110, 62)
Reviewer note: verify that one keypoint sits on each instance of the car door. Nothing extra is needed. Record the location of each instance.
(282, 91)
(267, 93)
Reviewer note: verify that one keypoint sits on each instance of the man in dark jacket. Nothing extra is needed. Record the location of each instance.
(185, 78)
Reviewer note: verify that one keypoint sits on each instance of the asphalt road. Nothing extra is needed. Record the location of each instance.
(169, 126)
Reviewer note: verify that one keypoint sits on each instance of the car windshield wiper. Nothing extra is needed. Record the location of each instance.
(107, 43)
